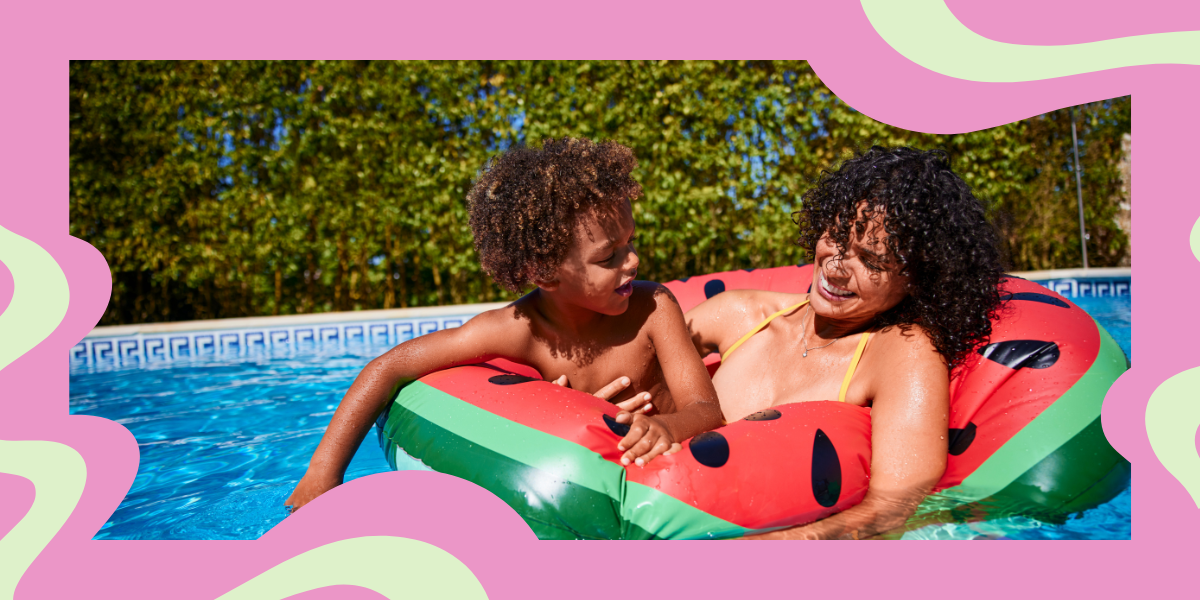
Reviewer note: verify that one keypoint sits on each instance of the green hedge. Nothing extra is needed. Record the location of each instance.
(227, 189)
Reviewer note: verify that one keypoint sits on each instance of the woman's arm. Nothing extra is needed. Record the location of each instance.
(482, 338)
(698, 409)
(909, 421)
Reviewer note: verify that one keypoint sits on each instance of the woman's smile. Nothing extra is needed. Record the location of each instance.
(832, 292)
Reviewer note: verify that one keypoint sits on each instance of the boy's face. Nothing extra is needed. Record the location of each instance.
(598, 271)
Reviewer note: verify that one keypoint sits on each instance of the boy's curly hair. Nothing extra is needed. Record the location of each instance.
(527, 202)
(937, 230)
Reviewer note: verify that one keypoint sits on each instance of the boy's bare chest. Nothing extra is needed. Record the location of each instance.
(592, 364)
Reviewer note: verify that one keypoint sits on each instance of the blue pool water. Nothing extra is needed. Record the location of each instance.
(224, 439)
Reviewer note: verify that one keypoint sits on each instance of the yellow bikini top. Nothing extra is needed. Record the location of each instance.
(858, 352)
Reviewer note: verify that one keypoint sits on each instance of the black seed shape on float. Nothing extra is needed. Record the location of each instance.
(1036, 297)
(826, 471)
(684, 279)
(615, 427)
(1017, 354)
(764, 415)
(960, 439)
(510, 379)
(710, 449)
(713, 287)
(748, 270)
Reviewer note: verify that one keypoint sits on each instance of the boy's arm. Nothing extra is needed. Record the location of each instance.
(484, 337)
(685, 375)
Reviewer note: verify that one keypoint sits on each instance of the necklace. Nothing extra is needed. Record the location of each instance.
(803, 324)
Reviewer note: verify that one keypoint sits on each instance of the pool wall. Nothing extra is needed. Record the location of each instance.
(1081, 283)
(168, 341)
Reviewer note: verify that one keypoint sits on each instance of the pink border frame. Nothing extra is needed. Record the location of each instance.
(469, 523)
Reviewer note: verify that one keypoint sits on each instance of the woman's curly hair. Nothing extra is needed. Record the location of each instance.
(527, 202)
(936, 229)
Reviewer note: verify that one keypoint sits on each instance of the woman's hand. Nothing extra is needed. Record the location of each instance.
(795, 533)
(878, 513)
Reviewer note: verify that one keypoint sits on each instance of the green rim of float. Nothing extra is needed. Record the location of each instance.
(437, 426)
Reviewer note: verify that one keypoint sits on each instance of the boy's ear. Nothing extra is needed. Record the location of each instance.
(548, 286)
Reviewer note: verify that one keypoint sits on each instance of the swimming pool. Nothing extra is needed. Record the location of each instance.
(226, 423)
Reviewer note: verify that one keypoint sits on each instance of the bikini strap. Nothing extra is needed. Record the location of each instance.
(759, 328)
(858, 352)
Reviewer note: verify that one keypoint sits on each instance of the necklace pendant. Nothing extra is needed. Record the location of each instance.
(805, 355)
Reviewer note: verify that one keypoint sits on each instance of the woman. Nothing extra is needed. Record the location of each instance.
(905, 278)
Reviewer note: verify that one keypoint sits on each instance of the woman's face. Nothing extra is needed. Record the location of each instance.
(861, 283)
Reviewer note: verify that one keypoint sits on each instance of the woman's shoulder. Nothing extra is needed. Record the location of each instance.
(905, 344)
(728, 315)
(753, 302)
(901, 367)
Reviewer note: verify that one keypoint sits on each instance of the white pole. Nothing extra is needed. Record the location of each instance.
(1078, 187)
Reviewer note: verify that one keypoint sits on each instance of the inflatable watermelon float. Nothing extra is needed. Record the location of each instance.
(1025, 437)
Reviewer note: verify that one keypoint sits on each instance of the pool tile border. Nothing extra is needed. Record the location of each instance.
(1071, 287)
(171, 345)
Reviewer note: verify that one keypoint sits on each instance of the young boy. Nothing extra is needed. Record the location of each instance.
(559, 218)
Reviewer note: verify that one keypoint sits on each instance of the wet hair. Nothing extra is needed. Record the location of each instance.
(937, 231)
(527, 202)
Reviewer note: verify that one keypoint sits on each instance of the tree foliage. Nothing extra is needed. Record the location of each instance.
(226, 189)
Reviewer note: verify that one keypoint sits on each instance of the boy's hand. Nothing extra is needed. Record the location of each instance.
(647, 438)
(640, 402)
(308, 489)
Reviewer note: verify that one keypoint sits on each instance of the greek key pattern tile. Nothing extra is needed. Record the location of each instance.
(1088, 288)
(169, 346)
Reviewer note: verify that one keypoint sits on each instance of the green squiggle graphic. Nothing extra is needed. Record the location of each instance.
(57, 472)
(39, 300)
(1172, 416)
(1195, 239)
(395, 567)
(927, 33)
